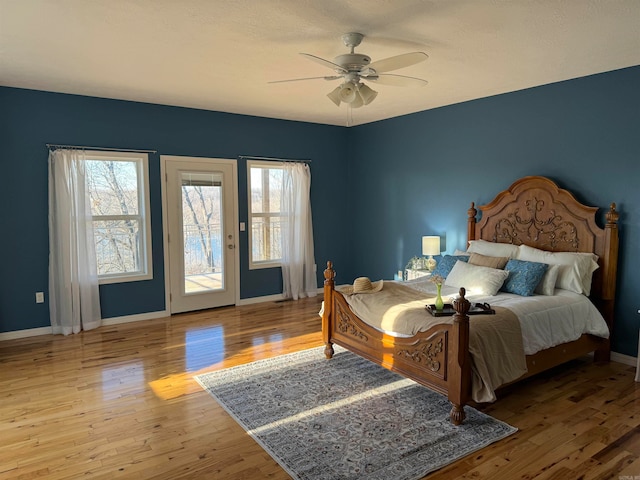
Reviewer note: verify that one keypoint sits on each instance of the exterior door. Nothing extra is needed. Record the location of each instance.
(200, 201)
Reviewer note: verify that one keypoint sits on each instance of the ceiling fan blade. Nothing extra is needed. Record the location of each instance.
(399, 61)
(332, 77)
(396, 80)
(326, 63)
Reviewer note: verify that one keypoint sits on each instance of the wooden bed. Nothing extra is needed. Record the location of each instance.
(534, 212)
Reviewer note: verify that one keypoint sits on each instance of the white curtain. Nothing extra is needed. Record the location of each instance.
(74, 301)
(298, 261)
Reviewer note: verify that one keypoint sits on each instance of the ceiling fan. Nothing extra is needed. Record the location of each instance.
(353, 68)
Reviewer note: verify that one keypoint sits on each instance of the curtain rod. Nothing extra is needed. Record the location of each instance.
(272, 159)
(54, 146)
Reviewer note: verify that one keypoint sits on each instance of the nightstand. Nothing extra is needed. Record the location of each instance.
(410, 274)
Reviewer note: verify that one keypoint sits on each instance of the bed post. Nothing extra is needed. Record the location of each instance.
(329, 283)
(609, 264)
(471, 223)
(460, 379)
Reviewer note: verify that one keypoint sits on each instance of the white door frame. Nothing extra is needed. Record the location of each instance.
(165, 220)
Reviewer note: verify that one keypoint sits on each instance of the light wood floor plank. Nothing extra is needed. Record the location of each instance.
(120, 402)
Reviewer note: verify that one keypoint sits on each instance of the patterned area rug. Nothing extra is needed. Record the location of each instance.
(346, 418)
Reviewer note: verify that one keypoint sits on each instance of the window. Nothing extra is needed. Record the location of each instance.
(118, 192)
(265, 215)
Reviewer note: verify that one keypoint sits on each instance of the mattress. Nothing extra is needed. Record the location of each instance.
(545, 321)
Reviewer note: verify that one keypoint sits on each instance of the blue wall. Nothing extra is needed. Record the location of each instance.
(30, 119)
(412, 175)
(417, 174)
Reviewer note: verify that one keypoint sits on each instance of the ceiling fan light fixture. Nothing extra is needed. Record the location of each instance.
(348, 92)
(357, 103)
(366, 94)
(334, 95)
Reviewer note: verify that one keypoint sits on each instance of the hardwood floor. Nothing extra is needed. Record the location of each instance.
(120, 402)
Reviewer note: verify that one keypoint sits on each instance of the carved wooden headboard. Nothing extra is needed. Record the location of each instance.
(534, 211)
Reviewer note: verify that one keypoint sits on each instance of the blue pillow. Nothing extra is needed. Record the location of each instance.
(523, 277)
(446, 263)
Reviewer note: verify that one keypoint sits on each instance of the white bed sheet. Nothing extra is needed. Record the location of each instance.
(546, 321)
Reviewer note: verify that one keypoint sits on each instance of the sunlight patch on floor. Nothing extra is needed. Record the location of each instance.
(397, 385)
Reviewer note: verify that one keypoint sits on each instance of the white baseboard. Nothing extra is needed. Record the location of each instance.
(625, 359)
(136, 318)
(268, 298)
(27, 332)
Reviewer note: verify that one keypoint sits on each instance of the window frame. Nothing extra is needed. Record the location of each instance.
(143, 217)
(256, 265)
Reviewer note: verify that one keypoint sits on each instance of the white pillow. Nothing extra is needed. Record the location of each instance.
(547, 285)
(492, 249)
(475, 279)
(576, 268)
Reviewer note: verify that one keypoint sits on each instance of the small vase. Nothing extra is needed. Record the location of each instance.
(439, 301)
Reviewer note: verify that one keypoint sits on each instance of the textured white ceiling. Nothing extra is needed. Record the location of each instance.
(220, 55)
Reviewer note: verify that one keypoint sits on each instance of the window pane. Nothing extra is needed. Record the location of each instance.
(266, 220)
(275, 190)
(275, 235)
(113, 187)
(117, 246)
(266, 189)
(256, 190)
(266, 234)
(258, 235)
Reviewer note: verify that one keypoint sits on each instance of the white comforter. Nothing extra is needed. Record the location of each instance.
(546, 321)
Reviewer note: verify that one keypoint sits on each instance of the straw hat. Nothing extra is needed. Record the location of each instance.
(362, 285)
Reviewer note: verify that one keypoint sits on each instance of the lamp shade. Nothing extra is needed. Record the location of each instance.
(334, 95)
(348, 92)
(431, 245)
(367, 94)
(357, 102)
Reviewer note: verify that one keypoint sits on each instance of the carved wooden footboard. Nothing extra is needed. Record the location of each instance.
(437, 358)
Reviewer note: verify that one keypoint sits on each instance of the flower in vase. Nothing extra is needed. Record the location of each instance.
(438, 280)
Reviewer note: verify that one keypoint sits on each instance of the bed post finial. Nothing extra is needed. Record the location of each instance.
(612, 216)
(461, 305)
(329, 273)
(471, 223)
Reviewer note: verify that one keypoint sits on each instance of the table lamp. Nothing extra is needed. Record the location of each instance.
(431, 247)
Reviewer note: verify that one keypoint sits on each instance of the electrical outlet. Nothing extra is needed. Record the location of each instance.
(39, 297)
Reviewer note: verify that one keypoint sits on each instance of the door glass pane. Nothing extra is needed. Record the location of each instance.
(202, 231)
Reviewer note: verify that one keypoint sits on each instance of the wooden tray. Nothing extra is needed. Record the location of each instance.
(448, 310)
